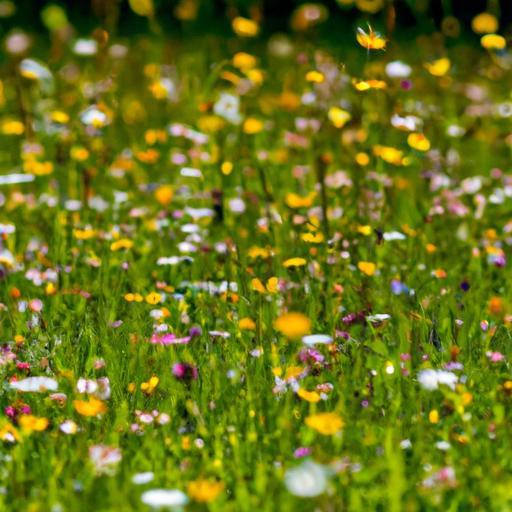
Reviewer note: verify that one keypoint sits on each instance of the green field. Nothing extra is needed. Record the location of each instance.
(255, 270)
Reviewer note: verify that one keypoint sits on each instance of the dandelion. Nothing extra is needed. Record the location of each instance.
(294, 262)
(484, 23)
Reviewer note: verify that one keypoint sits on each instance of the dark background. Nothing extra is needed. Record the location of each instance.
(214, 15)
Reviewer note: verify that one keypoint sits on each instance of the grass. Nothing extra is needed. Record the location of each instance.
(236, 425)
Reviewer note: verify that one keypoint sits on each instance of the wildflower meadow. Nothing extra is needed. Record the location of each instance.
(255, 255)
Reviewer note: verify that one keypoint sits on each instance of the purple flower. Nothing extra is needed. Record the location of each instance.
(194, 331)
(302, 452)
(185, 371)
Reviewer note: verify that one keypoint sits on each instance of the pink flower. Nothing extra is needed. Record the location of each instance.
(495, 357)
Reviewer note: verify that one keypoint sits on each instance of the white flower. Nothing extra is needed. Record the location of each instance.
(307, 480)
(164, 498)
(398, 69)
(13, 179)
(68, 427)
(85, 47)
(237, 205)
(314, 339)
(190, 172)
(93, 116)
(35, 384)
(393, 235)
(228, 107)
(431, 379)
(143, 478)
(34, 70)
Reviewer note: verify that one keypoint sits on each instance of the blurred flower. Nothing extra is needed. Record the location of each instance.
(204, 491)
(34, 384)
(104, 459)
(326, 423)
(164, 498)
(307, 480)
(293, 325)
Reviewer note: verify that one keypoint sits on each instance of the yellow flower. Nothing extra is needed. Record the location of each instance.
(204, 491)
(252, 125)
(293, 325)
(142, 7)
(149, 386)
(418, 141)
(244, 61)
(310, 396)
(371, 6)
(12, 127)
(247, 324)
(272, 285)
(79, 153)
(493, 42)
(245, 27)
(259, 252)
(366, 267)
(84, 234)
(30, 423)
(153, 298)
(338, 117)
(365, 85)
(365, 230)
(91, 407)
(60, 117)
(362, 159)
(123, 243)
(433, 416)
(293, 372)
(327, 423)
(133, 297)
(389, 154)
(294, 262)
(9, 433)
(293, 200)
(371, 40)
(484, 23)
(315, 77)
(164, 194)
(312, 238)
(438, 67)
(257, 285)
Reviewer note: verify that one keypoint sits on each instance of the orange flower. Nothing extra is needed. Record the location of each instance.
(293, 325)
(204, 491)
(91, 407)
(164, 194)
(367, 267)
